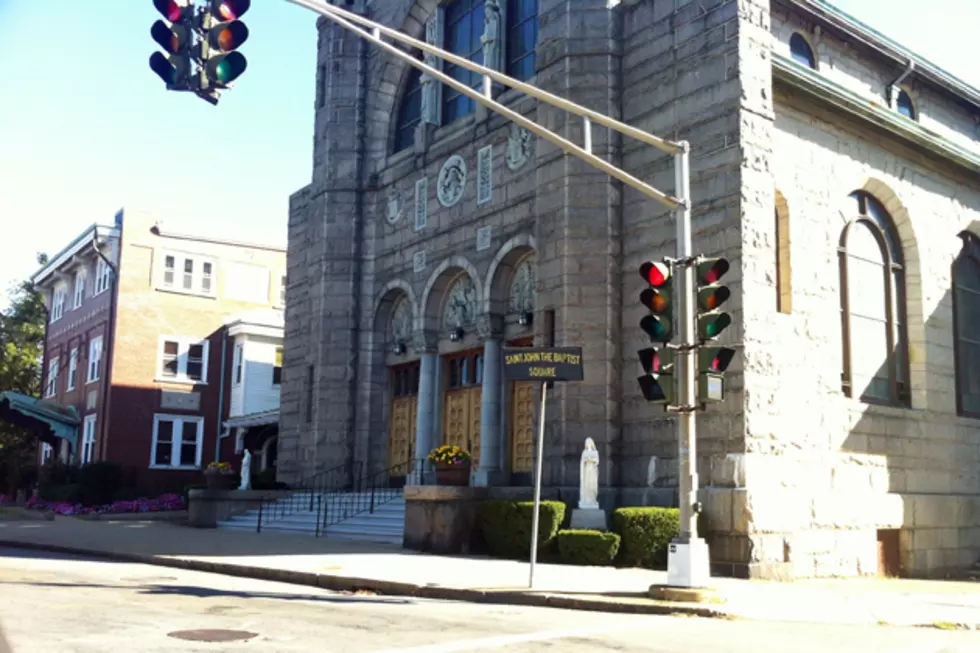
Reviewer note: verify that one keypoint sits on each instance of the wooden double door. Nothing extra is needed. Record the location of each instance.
(404, 417)
(522, 427)
(463, 402)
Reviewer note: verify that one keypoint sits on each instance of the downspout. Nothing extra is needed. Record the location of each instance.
(221, 396)
(109, 349)
(894, 89)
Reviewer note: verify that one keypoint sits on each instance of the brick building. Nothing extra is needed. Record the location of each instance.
(140, 348)
(834, 168)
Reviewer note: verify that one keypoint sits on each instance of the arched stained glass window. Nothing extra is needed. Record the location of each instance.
(410, 111)
(966, 325)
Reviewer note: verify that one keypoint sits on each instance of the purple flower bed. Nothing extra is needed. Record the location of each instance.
(3, 499)
(162, 503)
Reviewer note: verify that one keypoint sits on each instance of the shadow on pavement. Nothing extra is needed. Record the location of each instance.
(211, 592)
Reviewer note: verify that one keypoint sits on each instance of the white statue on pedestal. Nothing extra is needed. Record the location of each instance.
(491, 34)
(588, 495)
(246, 471)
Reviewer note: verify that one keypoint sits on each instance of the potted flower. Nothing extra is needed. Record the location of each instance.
(219, 476)
(452, 465)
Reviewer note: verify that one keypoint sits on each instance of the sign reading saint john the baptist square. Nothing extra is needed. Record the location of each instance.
(552, 364)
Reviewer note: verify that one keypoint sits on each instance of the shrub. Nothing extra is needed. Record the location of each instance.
(506, 526)
(645, 533)
(60, 493)
(98, 482)
(578, 547)
(266, 480)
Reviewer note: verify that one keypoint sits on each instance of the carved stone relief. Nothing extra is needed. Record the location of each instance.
(418, 261)
(520, 146)
(452, 181)
(460, 307)
(484, 175)
(484, 237)
(401, 322)
(522, 287)
(421, 203)
(394, 206)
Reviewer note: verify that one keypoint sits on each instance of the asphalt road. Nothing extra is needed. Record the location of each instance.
(51, 603)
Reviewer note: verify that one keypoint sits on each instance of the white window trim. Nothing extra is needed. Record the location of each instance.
(238, 367)
(97, 368)
(87, 453)
(281, 290)
(183, 345)
(47, 452)
(178, 287)
(72, 368)
(81, 280)
(175, 444)
(51, 383)
(103, 275)
(58, 307)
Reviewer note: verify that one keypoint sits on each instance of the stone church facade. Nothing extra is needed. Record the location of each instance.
(838, 173)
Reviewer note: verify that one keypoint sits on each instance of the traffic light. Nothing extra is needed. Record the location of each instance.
(659, 301)
(712, 363)
(711, 295)
(175, 36)
(222, 63)
(657, 381)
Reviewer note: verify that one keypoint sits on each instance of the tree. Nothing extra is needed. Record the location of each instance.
(21, 352)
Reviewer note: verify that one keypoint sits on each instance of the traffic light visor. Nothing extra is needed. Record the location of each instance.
(655, 274)
(716, 359)
(711, 300)
(651, 389)
(162, 67)
(717, 325)
(231, 9)
(655, 301)
(171, 39)
(228, 36)
(713, 270)
(169, 9)
(656, 329)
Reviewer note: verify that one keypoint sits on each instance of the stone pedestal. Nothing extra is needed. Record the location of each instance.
(589, 519)
(441, 518)
(205, 508)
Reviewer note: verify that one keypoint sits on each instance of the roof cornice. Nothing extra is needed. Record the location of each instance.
(800, 77)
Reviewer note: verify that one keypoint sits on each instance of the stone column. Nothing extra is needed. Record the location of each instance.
(491, 434)
(425, 423)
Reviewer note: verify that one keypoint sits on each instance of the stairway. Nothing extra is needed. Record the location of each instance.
(386, 524)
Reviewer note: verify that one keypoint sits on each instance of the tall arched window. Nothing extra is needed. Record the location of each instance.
(522, 38)
(464, 27)
(410, 111)
(873, 306)
(966, 325)
(800, 51)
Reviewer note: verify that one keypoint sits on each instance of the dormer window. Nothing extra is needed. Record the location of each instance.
(903, 104)
(801, 51)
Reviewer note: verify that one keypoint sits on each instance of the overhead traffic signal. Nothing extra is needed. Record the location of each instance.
(711, 295)
(658, 298)
(221, 60)
(175, 36)
(712, 363)
(657, 380)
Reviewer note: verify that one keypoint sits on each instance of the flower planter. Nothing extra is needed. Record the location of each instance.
(458, 475)
(218, 481)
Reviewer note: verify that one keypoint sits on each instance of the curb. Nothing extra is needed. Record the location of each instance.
(385, 587)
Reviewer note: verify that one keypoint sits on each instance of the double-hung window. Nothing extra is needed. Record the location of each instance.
(58, 303)
(94, 359)
(79, 289)
(183, 359)
(102, 276)
(88, 439)
(72, 368)
(187, 273)
(52, 384)
(177, 441)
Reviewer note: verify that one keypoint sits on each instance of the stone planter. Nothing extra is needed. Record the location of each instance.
(457, 475)
(217, 481)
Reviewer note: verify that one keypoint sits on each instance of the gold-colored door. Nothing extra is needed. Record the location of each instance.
(404, 417)
(522, 427)
(463, 402)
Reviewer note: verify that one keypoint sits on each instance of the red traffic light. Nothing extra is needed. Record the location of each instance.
(715, 359)
(230, 9)
(711, 271)
(655, 274)
(170, 9)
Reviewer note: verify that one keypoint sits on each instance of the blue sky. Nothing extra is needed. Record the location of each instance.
(86, 127)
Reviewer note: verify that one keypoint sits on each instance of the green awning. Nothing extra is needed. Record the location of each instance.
(48, 419)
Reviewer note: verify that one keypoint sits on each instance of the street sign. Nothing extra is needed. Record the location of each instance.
(551, 364)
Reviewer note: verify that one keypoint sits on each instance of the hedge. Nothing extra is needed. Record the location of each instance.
(506, 526)
(579, 547)
(645, 533)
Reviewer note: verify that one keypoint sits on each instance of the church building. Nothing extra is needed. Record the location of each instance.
(835, 169)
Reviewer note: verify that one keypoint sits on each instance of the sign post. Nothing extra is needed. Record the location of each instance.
(544, 365)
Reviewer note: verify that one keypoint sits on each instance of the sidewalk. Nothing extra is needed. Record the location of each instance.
(342, 565)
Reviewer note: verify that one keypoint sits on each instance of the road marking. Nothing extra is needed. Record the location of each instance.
(508, 640)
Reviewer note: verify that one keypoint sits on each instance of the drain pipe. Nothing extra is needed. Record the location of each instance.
(221, 396)
(894, 89)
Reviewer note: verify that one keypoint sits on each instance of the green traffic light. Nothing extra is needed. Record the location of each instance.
(710, 326)
(657, 328)
(227, 68)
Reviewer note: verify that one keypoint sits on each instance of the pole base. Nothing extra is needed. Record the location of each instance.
(687, 563)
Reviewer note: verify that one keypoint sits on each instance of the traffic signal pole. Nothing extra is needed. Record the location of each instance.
(687, 554)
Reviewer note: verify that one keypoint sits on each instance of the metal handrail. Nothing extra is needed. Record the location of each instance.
(370, 491)
(273, 506)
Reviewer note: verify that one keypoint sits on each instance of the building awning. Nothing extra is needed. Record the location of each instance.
(48, 419)
(253, 419)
